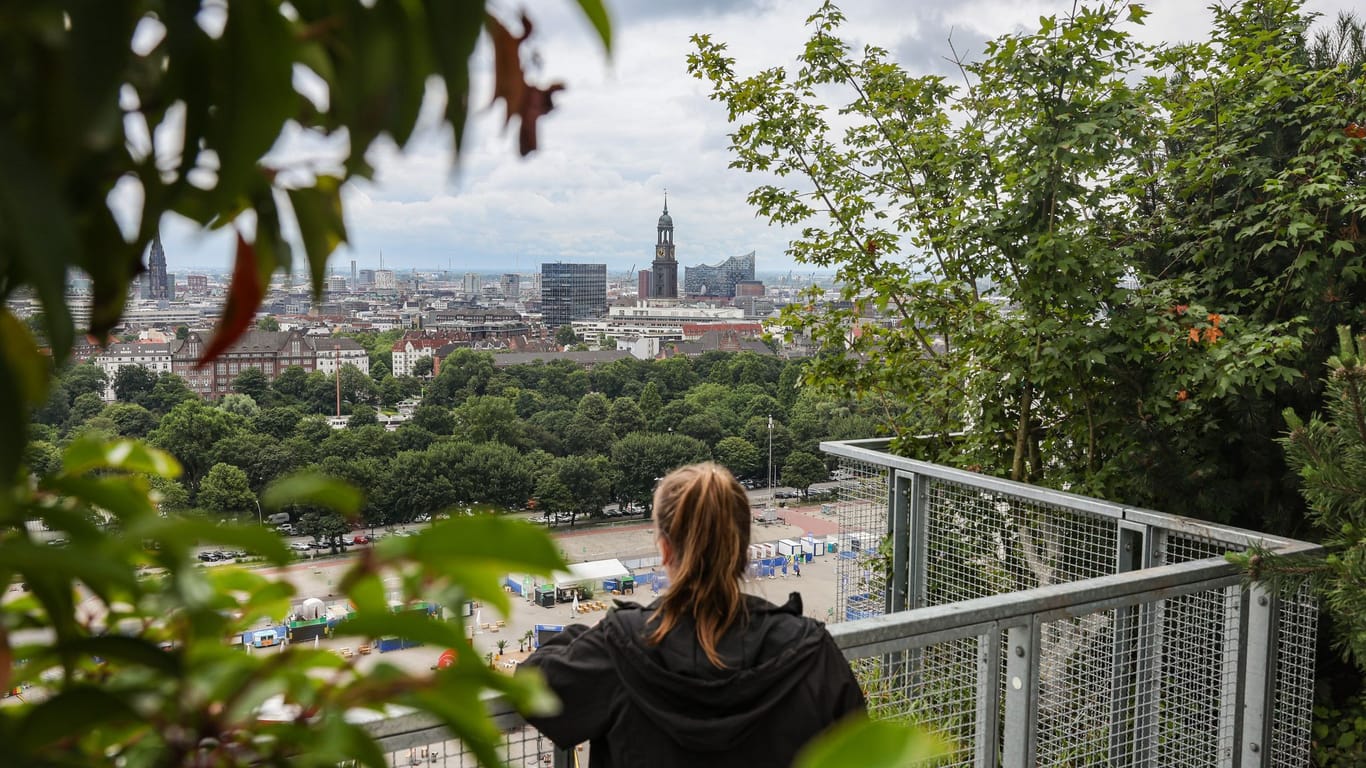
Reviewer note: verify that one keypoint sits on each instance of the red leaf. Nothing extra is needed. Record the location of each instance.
(536, 104)
(520, 99)
(244, 297)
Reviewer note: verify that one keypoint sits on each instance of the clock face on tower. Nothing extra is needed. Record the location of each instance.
(659, 251)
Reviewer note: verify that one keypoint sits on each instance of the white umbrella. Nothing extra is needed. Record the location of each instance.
(479, 614)
(576, 605)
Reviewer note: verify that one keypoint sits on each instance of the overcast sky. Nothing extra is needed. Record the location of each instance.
(625, 129)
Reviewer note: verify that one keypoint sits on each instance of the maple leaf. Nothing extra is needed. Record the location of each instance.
(244, 296)
(520, 99)
(1194, 336)
(1212, 334)
(1214, 319)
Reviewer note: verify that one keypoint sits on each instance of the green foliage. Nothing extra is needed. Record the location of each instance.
(1329, 454)
(226, 491)
(268, 323)
(141, 675)
(565, 336)
(1049, 277)
(253, 383)
(740, 456)
(877, 744)
(1339, 735)
(240, 405)
(174, 692)
(802, 470)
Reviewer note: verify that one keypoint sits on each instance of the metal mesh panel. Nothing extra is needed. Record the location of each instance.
(1196, 678)
(1151, 683)
(981, 543)
(522, 747)
(935, 687)
(1297, 637)
(1183, 548)
(1075, 670)
(860, 586)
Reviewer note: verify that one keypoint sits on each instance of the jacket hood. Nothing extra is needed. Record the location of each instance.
(703, 707)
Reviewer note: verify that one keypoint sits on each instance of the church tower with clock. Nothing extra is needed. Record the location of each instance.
(664, 269)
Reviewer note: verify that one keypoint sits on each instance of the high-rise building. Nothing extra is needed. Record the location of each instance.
(643, 284)
(664, 269)
(154, 281)
(510, 285)
(170, 286)
(572, 292)
(336, 284)
(197, 283)
(354, 276)
(471, 284)
(367, 277)
(719, 279)
(384, 280)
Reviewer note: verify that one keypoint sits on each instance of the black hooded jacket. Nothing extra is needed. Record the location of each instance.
(664, 705)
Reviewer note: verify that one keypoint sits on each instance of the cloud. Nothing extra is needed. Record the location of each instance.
(627, 127)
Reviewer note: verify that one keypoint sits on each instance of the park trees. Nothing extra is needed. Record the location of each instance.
(133, 383)
(642, 458)
(801, 470)
(253, 383)
(190, 431)
(740, 456)
(226, 491)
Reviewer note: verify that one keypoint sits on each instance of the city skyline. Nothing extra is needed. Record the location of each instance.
(627, 126)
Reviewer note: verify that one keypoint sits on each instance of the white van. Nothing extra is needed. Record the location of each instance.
(277, 518)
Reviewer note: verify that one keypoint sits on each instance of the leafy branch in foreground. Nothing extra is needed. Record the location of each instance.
(121, 638)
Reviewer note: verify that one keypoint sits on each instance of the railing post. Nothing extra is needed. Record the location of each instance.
(902, 524)
(987, 729)
(1259, 672)
(1133, 677)
(1022, 691)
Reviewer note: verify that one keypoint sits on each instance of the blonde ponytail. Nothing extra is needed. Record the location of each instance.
(703, 513)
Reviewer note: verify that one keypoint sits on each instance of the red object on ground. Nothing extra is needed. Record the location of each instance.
(447, 659)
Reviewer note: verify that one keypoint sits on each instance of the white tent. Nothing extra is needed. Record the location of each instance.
(592, 572)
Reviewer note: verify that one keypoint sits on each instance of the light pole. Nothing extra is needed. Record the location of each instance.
(259, 519)
(770, 461)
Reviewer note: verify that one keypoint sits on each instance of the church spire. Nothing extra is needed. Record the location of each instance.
(666, 199)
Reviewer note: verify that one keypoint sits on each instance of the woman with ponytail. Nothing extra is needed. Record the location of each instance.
(705, 675)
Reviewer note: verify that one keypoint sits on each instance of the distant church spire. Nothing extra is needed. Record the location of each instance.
(156, 287)
(664, 269)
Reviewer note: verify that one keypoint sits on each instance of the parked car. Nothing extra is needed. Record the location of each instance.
(360, 540)
(786, 495)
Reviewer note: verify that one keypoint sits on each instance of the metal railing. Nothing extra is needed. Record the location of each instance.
(1033, 628)
(1040, 628)
(411, 739)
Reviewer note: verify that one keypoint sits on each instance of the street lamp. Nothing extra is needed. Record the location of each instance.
(259, 519)
(770, 460)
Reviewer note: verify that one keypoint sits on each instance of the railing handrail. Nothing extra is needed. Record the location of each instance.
(873, 451)
(967, 618)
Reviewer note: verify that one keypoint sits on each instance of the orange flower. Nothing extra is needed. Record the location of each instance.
(1181, 395)
(1212, 334)
(1194, 337)
(1181, 309)
(1214, 319)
